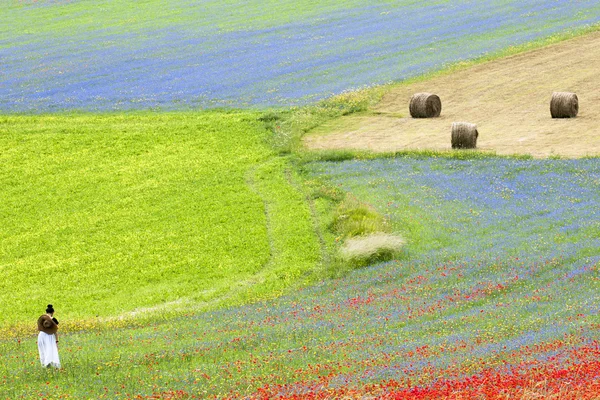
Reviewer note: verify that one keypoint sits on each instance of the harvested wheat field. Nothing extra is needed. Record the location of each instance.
(508, 99)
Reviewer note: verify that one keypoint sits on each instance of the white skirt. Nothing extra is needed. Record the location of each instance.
(48, 350)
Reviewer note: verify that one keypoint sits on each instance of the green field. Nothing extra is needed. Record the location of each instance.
(114, 215)
(197, 254)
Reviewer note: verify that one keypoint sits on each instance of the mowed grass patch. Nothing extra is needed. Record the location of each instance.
(512, 115)
(110, 214)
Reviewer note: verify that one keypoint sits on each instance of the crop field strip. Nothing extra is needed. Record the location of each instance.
(508, 99)
(115, 56)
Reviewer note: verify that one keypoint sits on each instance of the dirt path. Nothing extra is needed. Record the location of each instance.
(508, 99)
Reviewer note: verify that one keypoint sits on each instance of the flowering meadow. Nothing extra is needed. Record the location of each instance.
(495, 296)
(118, 55)
(194, 255)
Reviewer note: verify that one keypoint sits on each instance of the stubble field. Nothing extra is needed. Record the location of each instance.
(508, 99)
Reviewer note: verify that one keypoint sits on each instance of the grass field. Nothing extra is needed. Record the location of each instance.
(104, 215)
(498, 284)
(112, 55)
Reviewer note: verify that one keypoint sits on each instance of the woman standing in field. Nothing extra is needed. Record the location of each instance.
(48, 339)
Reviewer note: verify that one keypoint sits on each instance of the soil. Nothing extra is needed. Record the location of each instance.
(508, 99)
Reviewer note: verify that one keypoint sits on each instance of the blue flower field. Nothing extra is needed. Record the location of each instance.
(190, 55)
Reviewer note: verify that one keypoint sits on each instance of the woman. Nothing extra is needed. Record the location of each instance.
(48, 339)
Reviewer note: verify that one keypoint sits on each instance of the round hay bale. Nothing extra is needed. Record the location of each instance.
(564, 105)
(425, 105)
(464, 135)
